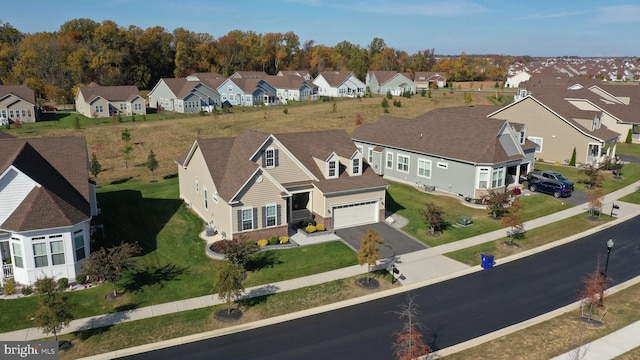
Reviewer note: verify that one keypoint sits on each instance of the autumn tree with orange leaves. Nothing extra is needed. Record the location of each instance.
(409, 343)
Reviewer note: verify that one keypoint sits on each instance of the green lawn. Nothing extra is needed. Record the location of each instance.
(407, 201)
(173, 264)
(533, 238)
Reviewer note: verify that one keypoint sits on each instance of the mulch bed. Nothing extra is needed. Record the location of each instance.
(368, 283)
(225, 315)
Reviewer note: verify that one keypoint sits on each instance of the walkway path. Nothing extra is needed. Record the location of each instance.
(416, 269)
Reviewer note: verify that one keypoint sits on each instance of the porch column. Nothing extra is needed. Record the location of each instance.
(517, 182)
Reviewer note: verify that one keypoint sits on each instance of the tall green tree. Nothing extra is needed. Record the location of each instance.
(53, 313)
(369, 251)
(229, 282)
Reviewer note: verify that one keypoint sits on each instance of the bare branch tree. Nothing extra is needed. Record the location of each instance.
(409, 343)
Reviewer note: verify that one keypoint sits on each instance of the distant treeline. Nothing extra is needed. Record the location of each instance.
(83, 50)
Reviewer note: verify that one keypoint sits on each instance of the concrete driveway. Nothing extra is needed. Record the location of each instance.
(395, 241)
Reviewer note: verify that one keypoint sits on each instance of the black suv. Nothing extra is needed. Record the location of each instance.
(555, 188)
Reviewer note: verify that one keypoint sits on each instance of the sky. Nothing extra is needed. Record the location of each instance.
(586, 28)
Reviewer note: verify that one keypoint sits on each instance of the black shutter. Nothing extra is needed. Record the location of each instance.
(275, 157)
(278, 222)
(239, 220)
(264, 216)
(255, 218)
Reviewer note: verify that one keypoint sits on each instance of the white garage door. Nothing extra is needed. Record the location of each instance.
(355, 214)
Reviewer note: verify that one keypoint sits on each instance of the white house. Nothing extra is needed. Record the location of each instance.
(46, 206)
(339, 84)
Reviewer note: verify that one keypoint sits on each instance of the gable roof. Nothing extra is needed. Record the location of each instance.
(62, 197)
(463, 134)
(23, 92)
(229, 159)
(335, 78)
(110, 93)
(384, 76)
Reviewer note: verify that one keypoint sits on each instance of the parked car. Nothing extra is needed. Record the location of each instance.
(48, 108)
(553, 187)
(536, 176)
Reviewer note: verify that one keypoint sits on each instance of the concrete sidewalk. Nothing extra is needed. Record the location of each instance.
(608, 347)
(416, 269)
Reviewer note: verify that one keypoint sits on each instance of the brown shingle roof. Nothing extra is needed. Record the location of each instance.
(230, 165)
(454, 133)
(23, 92)
(110, 93)
(59, 166)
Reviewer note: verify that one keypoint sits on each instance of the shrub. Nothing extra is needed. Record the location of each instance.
(285, 111)
(629, 138)
(274, 240)
(251, 242)
(320, 227)
(63, 283)
(27, 290)
(310, 228)
(220, 246)
(144, 117)
(284, 239)
(119, 118)
(9, 287)
(81, 278)
(133, 118)
(202, 113)
(263, 242)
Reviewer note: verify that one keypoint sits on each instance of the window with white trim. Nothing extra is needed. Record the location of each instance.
(57, 252)
(17, 255)
(538, 141)
(206, 199)
(270, 158)
(137, 106)
(270, 216)
(424, 168)
(370, 157)
(389, 160)
(483, 178)
(99, 108)
(355, 166)
(497, 177)
(247, 219)
(40, 255)
(403, 163)
(522, 137)
(332, 169)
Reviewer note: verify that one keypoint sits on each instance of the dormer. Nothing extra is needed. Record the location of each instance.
(270, 158)
(332, 166)
(355, 168)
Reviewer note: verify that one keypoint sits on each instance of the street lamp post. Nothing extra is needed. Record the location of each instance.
(606, 267)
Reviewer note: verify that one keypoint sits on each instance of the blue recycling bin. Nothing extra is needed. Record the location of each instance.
(487, 261)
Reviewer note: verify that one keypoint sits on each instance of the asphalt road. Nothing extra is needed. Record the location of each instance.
(453, 311)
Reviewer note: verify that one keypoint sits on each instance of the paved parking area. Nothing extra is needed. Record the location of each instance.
(395, 242)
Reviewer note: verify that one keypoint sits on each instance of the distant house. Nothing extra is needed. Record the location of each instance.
(187, 95)
(339, 84)
(381, 82)
(292, 88)
(557, 127)
(46, 206)
(249, 75)
(425, 80)
(17, 103)
(95, 101)
(260, 185)
(305, 74)
(454, 150)
(249, 91)
(515, 80)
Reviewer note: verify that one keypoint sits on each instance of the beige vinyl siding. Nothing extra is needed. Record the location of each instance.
(218, 214)
(286, 169)
(559, 138)
(257, 194)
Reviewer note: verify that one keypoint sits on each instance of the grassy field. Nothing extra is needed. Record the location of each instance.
(169, 135)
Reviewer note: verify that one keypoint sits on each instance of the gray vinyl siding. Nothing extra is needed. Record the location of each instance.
(510, 147)
(163, 96)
